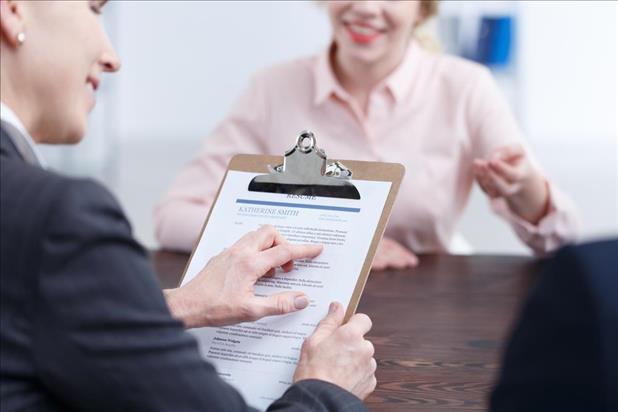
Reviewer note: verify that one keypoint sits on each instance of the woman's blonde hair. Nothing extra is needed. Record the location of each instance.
(425, 32)
(429, 8)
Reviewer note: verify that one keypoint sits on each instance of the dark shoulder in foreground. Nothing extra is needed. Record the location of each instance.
(563, 353)
(31, 196)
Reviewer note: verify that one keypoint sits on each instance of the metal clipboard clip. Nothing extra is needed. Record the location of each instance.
(306, 172)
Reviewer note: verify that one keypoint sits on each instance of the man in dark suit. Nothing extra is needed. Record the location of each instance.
(563, 355)
(84, 324)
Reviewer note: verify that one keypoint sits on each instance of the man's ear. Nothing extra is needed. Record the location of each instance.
(11, 22)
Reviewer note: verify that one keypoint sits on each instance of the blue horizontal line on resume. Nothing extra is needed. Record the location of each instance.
(298, 205)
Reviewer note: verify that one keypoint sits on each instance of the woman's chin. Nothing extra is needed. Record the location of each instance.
(76, 133)
(366, 55)
(74, 139)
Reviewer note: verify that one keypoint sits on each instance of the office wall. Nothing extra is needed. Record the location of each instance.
(185, 62)
(568, 70)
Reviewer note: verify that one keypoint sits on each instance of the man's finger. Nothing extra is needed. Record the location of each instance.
(284, 253)
(287, 267)
(246, 240)
(278, 304)
(268, 236)
(329, 324)
(263, 238)
(358, 324)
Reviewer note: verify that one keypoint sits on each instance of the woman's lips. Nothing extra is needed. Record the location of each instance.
(94, 82)
(362, 34)
(90, 95)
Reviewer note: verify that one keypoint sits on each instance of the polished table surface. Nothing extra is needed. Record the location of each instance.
(438, 330)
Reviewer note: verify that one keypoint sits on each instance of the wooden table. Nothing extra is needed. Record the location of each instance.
(438, 330)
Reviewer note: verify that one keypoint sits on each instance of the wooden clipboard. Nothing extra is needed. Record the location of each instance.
(362, 170)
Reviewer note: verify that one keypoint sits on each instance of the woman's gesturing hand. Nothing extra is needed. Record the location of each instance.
(509, 173)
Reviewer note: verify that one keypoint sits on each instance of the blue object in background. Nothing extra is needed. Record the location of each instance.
(495, 42)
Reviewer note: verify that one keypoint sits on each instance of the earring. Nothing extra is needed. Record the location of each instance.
(21, 37)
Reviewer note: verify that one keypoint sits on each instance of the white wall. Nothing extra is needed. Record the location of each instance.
(185, 62)
(568, 70)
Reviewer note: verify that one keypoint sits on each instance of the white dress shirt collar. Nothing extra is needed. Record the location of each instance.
(7, 115)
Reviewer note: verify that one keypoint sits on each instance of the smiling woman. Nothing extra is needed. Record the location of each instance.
(375, 93)
(53, 56)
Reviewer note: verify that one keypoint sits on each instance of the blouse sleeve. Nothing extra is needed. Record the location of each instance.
(491, 126)
(180, 215)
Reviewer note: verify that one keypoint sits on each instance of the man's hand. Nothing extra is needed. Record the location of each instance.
(393, 255)
(510, 174)
(339, 354)
(223, 292)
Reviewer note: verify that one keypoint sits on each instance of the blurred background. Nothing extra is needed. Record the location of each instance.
(185, 62)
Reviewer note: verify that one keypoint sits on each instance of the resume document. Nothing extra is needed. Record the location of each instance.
(259, 358)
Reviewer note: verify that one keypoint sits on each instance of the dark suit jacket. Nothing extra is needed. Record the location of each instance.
(84, 325)
(563, 355)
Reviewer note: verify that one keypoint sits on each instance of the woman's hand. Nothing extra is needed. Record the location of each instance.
(223, 292)
(508, 173)
(392, 255)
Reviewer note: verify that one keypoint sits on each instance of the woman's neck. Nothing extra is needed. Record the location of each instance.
(359, 78)
(11, 100)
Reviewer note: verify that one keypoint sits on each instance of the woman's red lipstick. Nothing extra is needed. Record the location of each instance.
(362, 38)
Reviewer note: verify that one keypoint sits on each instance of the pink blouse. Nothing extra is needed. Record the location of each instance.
(434, 114)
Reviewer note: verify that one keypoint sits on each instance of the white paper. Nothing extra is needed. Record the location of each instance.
(259, 358)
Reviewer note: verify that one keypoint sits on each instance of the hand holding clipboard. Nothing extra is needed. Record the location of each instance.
(309, 200)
